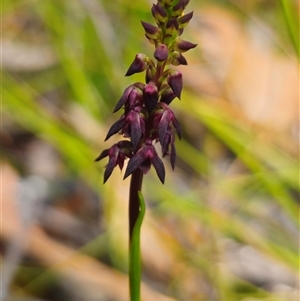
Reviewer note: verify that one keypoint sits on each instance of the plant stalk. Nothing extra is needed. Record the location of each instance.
(134, 203)
(136, 214)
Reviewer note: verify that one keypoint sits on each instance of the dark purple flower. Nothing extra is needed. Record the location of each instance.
(131, 125)
(117, 155)
(132, 96)
(134, 125)
(139, 64)
(143, 159)
(116, 127)
(175, 82)
(163, 117)
(150, 96)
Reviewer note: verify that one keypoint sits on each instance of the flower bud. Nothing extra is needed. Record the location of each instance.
(177, 10)
(159, 14)
(143, 159)
(162, 120)
(116, 127)
(139, 64)
(132, 95)
(136, 121)
(183, 46)
(161, 52)
(152, 32)
(134, 99)
(185, 3)
(178, 59)
(123, 98)
(171, 27)
(184, 20)
(150, 93)
(175, 82)
(117, 155)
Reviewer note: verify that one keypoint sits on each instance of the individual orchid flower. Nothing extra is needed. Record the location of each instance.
(143, 159)
(150, 93)
(135, 125)
(117, 155)
(159, 13)
(185, 19)
(132, 125)
(152, 32)
(132, 96)
(175, 82)
(163, 118)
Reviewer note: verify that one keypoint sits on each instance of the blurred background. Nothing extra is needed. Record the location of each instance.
(224, 227)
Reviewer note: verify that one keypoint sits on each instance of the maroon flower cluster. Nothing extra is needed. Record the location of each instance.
(147, 117)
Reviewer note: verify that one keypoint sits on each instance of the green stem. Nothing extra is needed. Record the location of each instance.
(136, 215)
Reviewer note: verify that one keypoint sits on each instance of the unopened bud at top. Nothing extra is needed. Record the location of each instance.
(185, 19)
(177, 10)
(185, 3)
(159, 13)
